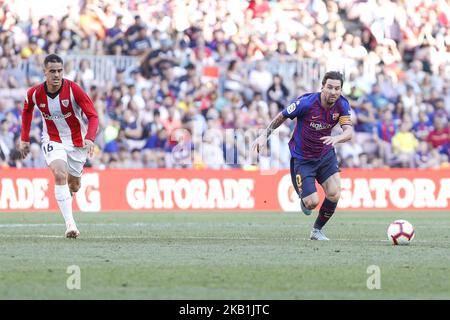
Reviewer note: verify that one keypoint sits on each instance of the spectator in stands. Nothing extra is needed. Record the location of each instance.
(132, 30)
(425, 157)
(15, 157)
(4, 73)
(6, 135)
(115, 37)
(260, 79)
(133, 96)
(136, 161)
(31, 49)
(422, 127)
(278, 92)
(385, 132)
(365, 118)
(396, 63)
(235, 80)
(212, 150)
(139, 43)
(17, 78)
(377, 98)
(404, 146)
(440, 110)
(350, 153)
(85, 73)
(440, 136)
(35, 159)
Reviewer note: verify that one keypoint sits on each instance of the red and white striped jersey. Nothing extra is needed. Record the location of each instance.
(62, 115)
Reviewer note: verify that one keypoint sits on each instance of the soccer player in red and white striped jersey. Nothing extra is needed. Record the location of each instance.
(66, 142)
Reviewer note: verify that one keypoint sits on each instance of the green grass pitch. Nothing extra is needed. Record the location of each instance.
(222, 256)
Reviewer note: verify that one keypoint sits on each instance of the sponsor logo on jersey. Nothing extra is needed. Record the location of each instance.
(54, 117)
(335, 116)
(42, 105)
(291, 108)
(320, 126)
(65, 103)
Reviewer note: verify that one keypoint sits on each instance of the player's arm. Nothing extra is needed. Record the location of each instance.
(88, 108)
(294, 110)
(346, 125)
(278, 121)
(27, 117)
(261, 141)
(346, 135)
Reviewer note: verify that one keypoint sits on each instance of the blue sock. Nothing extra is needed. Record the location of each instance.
(326, 211)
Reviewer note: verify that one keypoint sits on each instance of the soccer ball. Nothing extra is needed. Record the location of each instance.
(400, 232)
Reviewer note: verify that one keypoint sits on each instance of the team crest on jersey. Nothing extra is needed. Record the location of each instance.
(291, 108)
(335, 116)
(65, 103)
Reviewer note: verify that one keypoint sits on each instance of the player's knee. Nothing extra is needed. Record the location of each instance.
(74, 187)
(334, 195)
(60, 175)
(311, 203)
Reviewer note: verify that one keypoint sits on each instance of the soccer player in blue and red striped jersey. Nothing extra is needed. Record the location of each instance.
(312, 147)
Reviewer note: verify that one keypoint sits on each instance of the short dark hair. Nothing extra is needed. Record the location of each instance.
(333, 75)
(52, 58)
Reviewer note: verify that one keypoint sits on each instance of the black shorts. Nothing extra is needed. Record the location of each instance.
(304, 173)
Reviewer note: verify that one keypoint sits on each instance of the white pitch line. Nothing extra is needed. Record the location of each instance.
(36, 225)
(30, 225)
(146, 224)
(180, 238)
(30, 236)
(185, 224)
(211, 238)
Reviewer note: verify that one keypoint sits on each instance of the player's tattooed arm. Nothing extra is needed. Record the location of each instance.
(278, 121)
(261, 142)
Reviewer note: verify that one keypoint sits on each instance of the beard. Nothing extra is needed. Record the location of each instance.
(331, 100)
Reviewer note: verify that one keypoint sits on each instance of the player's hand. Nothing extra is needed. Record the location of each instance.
(90, 147)
(328, 140)
(259, 144)
(24, 148)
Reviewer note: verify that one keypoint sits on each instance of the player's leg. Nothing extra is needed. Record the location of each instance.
(56, 158)
(329, 178)
(76, 158)
(332, 188)
(74, 186)
(74, 183)
(303, 180)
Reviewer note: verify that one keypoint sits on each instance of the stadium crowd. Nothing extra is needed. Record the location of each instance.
(202, 86)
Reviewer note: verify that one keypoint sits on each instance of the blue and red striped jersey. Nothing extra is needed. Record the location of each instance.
(313, 122)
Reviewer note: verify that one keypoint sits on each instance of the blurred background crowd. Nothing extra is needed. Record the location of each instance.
(188, 83)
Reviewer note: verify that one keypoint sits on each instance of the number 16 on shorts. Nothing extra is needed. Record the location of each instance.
(47, 147)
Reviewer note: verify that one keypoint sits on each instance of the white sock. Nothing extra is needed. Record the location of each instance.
(64, 198)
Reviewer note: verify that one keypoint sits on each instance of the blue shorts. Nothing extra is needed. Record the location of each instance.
(304, 173)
